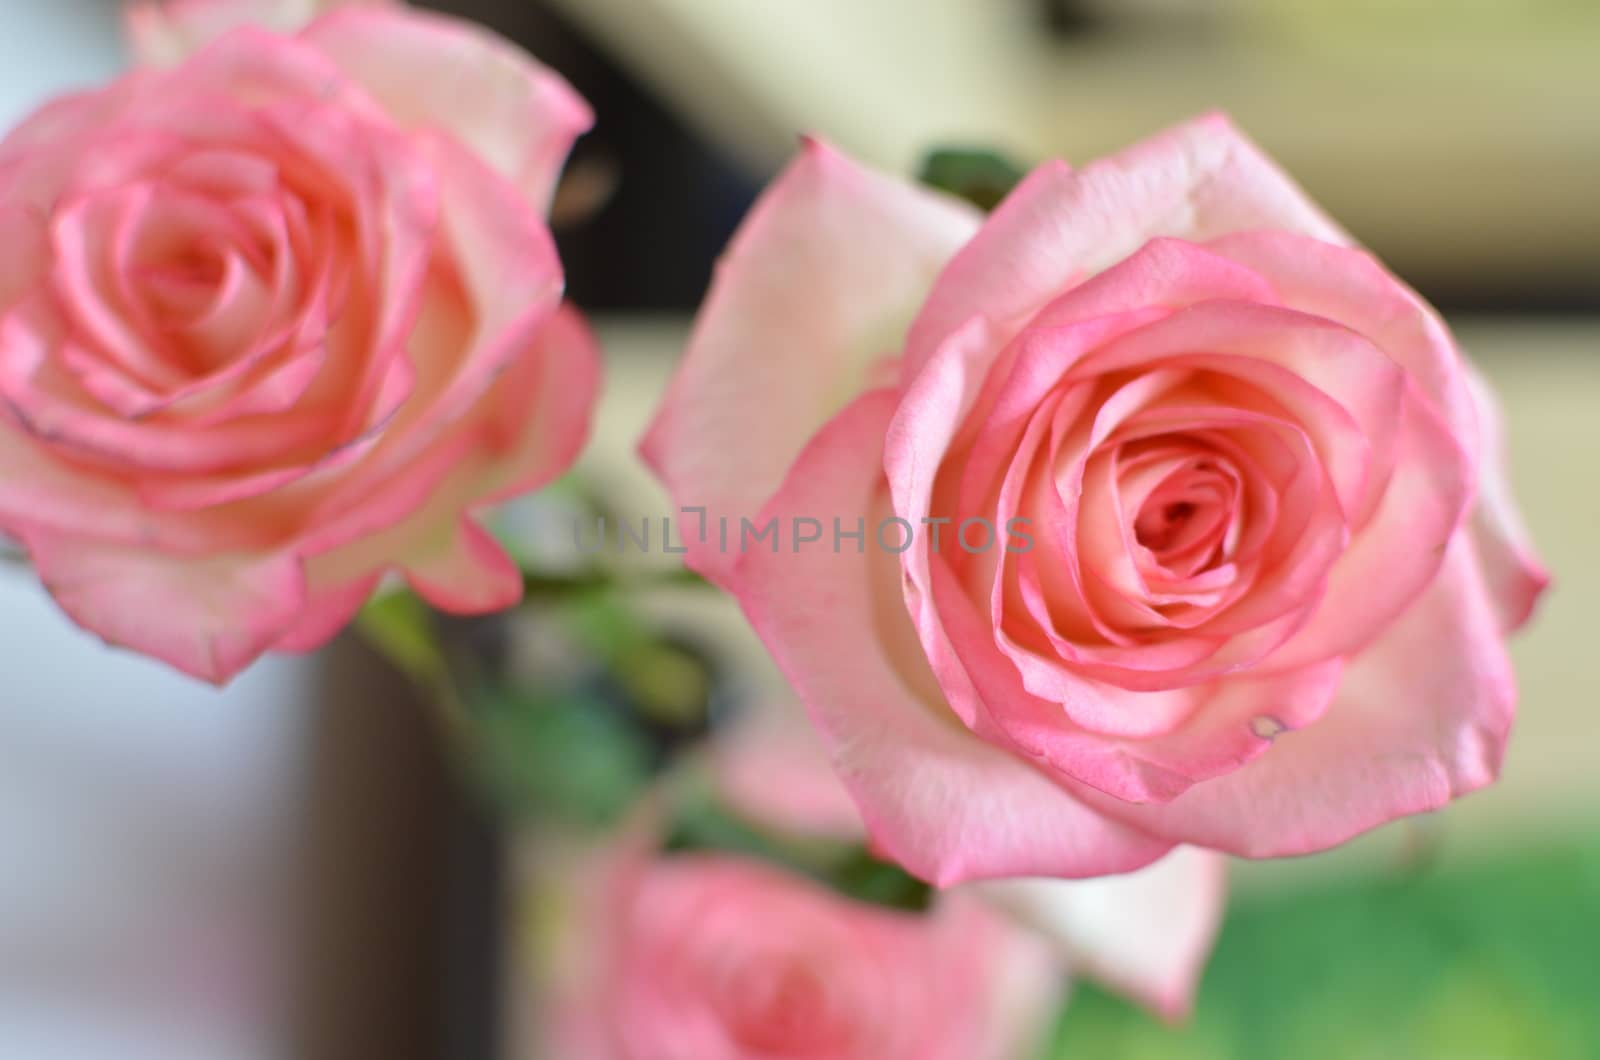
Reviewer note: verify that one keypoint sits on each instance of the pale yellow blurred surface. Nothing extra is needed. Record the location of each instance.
(1455, 136)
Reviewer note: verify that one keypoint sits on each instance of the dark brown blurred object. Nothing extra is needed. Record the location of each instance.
(400, 884)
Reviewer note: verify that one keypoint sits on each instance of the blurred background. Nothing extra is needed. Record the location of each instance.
(296, 868)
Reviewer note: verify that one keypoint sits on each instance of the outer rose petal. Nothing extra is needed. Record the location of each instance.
(325, 614)
(209, 618)
(450, 75)
(1421, 718)
(1147, 933)
(818, 284)
(511, 282)
(943, 803)
(772, 768)
(523, 433)
(1197, 181)
(165, 32)
(1352, 288)
(1514, 573)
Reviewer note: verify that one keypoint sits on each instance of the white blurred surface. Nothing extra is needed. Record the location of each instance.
(146, 846)
(145, 819)
(52, 46)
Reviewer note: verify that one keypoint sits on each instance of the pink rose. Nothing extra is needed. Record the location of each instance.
(715, 957)
(1146, 934)
(282, 319)
(1226, 561)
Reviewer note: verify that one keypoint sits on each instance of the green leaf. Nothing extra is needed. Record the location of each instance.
(849, 868)
(868, 879)
(573, 760)
(984, 178)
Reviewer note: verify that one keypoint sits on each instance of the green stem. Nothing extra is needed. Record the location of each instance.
(546, 587)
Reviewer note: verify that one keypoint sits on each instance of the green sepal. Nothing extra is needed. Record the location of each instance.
(982, 177)
(702, 825)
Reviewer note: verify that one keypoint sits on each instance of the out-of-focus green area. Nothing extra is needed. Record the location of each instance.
(1495, 961)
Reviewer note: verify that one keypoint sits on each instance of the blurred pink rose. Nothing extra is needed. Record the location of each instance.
(281, 319)
(1146, 934)
(714, 957)
(1198, 539)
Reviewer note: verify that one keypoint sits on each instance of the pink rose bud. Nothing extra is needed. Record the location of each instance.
(1179, 522)
(280, 319)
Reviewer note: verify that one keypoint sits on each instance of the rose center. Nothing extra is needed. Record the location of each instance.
(780, 1007)
(1157, 529)
(1184, 523)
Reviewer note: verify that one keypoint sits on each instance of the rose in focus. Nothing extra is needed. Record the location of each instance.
(278, 319)
(1274, 558)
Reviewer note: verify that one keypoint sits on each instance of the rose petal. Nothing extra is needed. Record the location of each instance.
(467, 573)
(771, 767)
(1147, 933)
(1421, 718)
(817, 285)
(165, 32)
(1391, 560)
(208, 617)
(1197, 181)
(455, 77)
(328, 611)
(937, 799)
(523, 433)
(542, 408)
(1350, 287)
(1515, 574)
(1339, 387)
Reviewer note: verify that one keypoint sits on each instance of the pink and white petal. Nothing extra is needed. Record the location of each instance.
(1333, 381)
(542, 408)
(328, 610)
(925, 421)
(987, 690)
(1146, 934)
(937, 799)
(1421, 718)
(467, 573)
(25, 236)
(464, 341)
(1022, 981)
(523, 433)
(457, 78)
(511, 276)
(1350, 287)
(44, 494)
(1197, 181)
(1515, 574)
(209, 617)
(1391, 560)
(165, 32)
(771, 767)
(816, 288)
